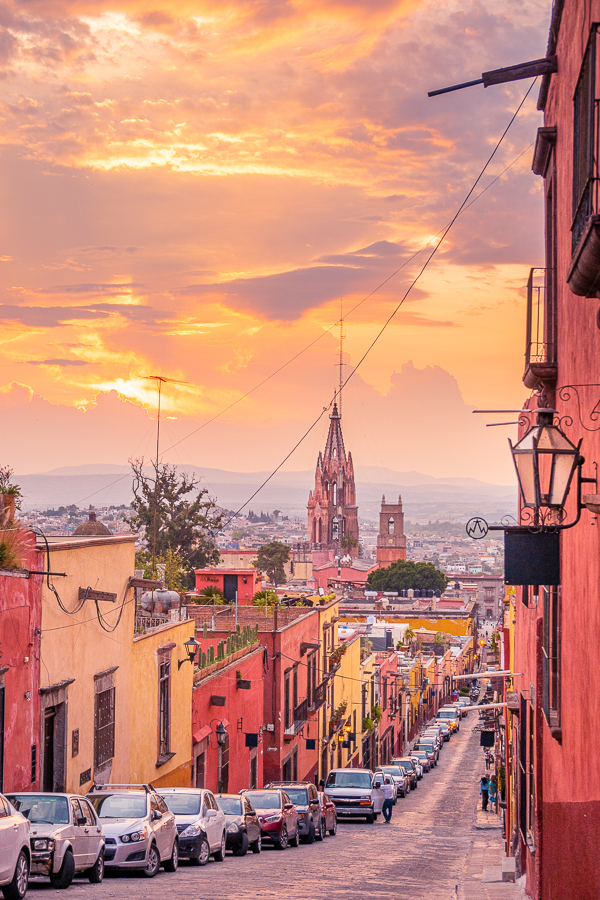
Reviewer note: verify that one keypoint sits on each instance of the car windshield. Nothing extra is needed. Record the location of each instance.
(231, 806)
(299, 796)
(420, 754)
(41, 809)
(407, 763)
(183, 804)
(393, 770)
(119, 806)
(264, 799)
(349, 779)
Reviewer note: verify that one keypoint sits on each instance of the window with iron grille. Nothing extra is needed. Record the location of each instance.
(33, 763)
(585, 142)
(104, 727)
(551, 655)
(164, 707)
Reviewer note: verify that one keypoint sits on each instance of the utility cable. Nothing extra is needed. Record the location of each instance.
(288, 362)
(319, 336)
(398, 306)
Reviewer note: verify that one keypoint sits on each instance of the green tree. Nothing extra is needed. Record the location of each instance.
(349, 542)
(404, 574)
(186, 517)
(265, 598)
(271, 559)
(175, 571)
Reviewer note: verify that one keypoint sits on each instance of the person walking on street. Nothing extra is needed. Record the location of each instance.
(488, 759)
(493, 794)
(484, 787)
(388, 800)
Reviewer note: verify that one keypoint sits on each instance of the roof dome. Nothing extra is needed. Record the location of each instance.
(92, 528)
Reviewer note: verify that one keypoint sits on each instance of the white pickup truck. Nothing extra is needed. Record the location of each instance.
(355, 792)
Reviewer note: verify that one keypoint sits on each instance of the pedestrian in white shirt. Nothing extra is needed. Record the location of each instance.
(388, 798)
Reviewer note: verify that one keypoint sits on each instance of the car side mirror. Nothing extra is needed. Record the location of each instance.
(288, 806)
(156, 814)
(211, 813)
(81, 820)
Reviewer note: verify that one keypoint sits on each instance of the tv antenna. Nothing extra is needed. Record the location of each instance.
(160, 380)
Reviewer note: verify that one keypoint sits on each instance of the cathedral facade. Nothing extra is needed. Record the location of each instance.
(332, 509)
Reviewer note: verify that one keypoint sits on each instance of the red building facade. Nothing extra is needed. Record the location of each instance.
(332, 510)
(243, 582)
(290, 638)
(556, 803)
(20, 620)
(229, 693)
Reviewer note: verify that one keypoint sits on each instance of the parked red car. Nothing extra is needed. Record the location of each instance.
(278, 817)
(328, 816)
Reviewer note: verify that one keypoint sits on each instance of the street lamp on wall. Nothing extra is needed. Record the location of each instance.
(221, 734)
(191, 646)
(545, 461)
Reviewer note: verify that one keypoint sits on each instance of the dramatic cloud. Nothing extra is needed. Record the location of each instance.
(202, 189)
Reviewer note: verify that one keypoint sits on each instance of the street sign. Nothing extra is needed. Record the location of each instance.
(477, 528)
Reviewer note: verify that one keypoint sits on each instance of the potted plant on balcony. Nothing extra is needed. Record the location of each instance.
(10, 495)
(367, 723)
(338, 715)
(336, 655)
(376, 713)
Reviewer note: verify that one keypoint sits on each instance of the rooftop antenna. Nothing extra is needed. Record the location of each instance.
(160, 380)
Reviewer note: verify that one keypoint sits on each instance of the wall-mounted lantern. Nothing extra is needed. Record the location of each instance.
(545, 461)
(191, 646)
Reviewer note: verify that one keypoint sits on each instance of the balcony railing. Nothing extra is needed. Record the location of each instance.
(300, 718)
(540, 347)
(319, 696)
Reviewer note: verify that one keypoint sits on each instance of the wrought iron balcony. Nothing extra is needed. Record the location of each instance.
(540, 347)
(583, 277)
(319, 696)
(300, 718)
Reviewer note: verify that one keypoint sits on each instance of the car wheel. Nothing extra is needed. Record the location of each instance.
(220, 853)
(321, 830)
(63, 878)
(95, 874)
(282, 843)
(203, 855)
(333, 830)
(295, 841)
(152, 863)
(256, 846)
(370, 819)
(17, 888)
(243, 848)
(173, 861)
(310, 837)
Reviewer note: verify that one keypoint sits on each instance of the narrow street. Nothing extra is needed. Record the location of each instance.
(431, 851)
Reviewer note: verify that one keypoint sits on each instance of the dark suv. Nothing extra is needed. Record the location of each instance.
(305, 798)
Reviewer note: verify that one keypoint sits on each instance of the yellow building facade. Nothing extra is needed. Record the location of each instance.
(100, 686)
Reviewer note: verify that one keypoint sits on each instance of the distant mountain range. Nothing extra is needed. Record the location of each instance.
(424, 496)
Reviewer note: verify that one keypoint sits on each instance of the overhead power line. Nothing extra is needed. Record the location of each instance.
(398, 306)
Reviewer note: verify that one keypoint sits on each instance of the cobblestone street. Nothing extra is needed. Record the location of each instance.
(436, 847)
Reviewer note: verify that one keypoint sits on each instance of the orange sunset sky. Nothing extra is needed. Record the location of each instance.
(196, 189)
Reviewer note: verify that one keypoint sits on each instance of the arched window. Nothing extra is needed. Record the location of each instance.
(320, 531)
(334, 493)
(334, 452)
(335, 529)
(390, 525)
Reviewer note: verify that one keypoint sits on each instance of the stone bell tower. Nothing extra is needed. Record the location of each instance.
(391, 540)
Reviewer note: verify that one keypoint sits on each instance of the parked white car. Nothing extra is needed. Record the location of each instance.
(65, 836)
(201, 823)
(14, 851)
(354, 793)
(139, 828)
